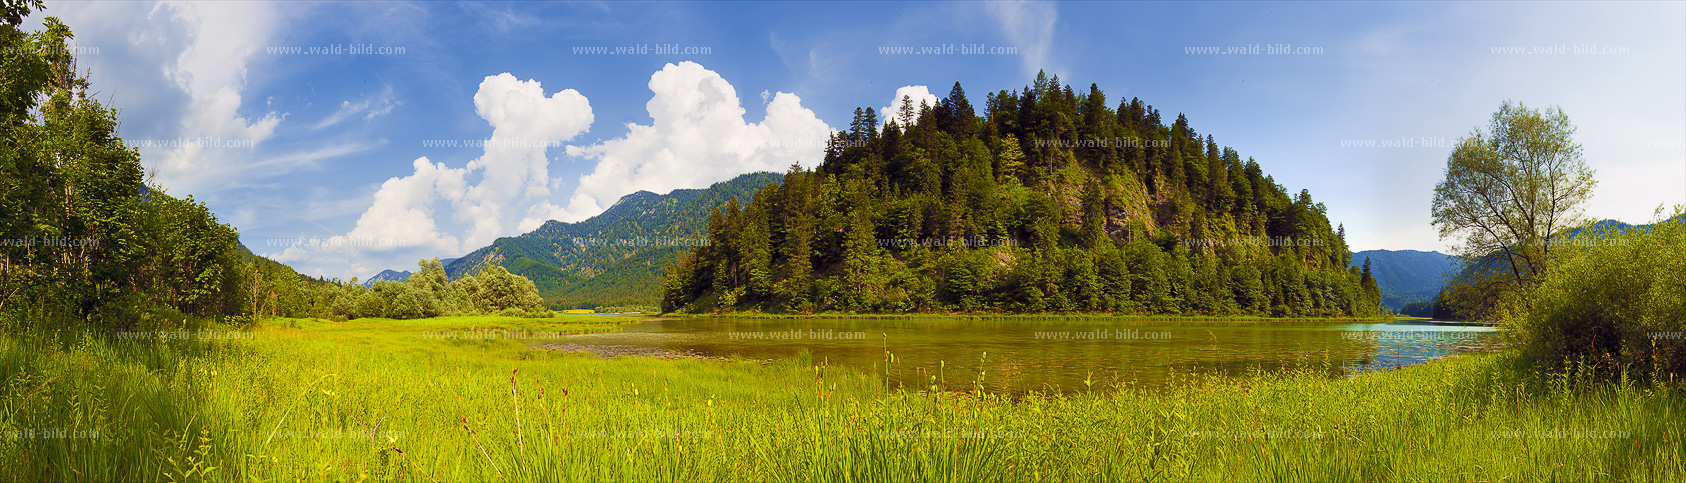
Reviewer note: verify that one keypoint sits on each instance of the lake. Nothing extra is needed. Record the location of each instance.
(1030, 354)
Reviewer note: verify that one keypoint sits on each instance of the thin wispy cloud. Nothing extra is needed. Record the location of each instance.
(1030, 26)
(365, 109)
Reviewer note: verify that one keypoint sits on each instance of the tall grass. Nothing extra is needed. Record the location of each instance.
(345, 401)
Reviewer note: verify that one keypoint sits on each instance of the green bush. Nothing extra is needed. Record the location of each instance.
(496, 289)
(1617, 301)
(366, 303)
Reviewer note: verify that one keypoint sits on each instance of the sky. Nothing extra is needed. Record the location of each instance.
(348, 138)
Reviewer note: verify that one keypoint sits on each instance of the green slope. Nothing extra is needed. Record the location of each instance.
(1407, 276)
(277, 268)
(616, 257)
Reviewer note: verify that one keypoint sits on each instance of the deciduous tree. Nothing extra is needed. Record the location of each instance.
(1511, 189)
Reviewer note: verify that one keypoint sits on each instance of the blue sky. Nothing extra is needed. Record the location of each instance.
(339, 163)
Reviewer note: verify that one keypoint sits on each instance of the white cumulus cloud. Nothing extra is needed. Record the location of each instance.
(490, 195)
(917, 94)
(184, 67)
(212, 71)
(698, 136)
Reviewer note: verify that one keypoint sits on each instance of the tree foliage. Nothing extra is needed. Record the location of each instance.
(1510, 191)
(86, 239)
(1616, 302)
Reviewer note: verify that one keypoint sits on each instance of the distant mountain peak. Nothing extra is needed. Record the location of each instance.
(387, 275)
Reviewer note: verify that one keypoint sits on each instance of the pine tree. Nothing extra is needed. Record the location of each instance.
(797, 274)
(859, 250)
(907, 113)
(1009, 159)
(676, 280)
(757, 251)
(859, 125)
(1096, 128)
(959, 120)
(1094, 215)
(1214, 172)
(1372, 292)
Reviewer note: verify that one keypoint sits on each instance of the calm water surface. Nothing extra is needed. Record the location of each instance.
(1025, 355)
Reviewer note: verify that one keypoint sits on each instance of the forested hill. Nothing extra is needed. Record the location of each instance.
(1408, 276)
(1051, 200)
(615, 257)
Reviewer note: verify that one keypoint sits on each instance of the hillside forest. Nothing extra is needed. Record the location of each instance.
(1052, 200)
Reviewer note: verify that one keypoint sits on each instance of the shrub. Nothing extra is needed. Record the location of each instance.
(538, 313)
(368, 303)
(497, 289)
(1617, 300)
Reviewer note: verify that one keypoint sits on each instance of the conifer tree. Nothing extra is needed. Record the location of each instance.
(1009, 159)
(959, 120)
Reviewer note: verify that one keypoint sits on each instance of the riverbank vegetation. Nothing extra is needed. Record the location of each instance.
(1617, 302)
(1604, 295)
(83, 239)
(1036, 316)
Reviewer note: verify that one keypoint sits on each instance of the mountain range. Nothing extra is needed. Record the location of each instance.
(616, 257)
(1407, 276)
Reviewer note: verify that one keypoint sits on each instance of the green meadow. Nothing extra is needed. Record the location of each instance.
(386, 400)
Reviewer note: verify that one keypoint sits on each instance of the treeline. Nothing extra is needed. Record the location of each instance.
(276, 290)
(1051, 201)
(86, 240)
